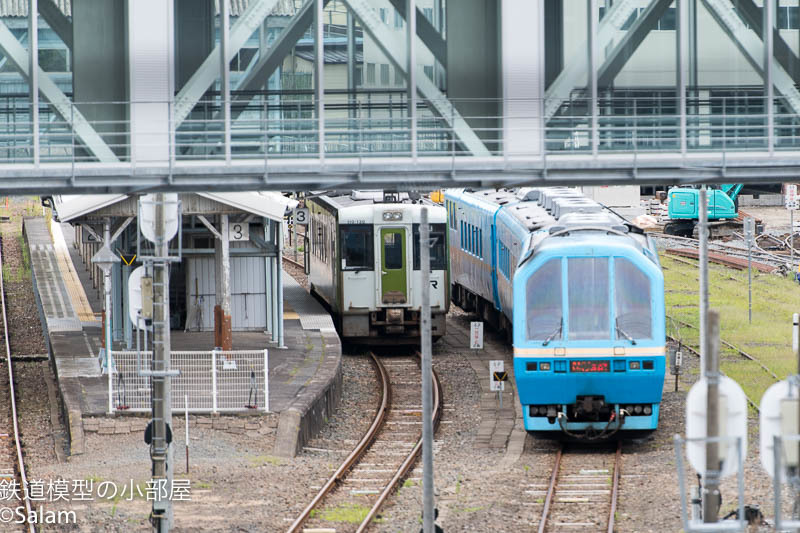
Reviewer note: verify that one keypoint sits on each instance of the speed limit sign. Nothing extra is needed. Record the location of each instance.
(301, 216)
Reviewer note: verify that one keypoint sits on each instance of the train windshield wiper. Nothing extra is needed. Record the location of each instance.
(553, 335)
(623, 333)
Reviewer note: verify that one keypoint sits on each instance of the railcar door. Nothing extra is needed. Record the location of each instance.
(394, 289)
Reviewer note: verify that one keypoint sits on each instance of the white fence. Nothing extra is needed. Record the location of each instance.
(212, 381)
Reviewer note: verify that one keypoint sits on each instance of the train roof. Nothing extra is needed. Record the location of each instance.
(560, 211)
(365, 207)
(339, 200)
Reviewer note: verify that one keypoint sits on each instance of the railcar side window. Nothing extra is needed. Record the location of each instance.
(632, 288)
(357, 247)
(543, 292)
(438, 248)
(588, 298)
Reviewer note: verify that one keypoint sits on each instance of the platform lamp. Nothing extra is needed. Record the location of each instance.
(106, 259)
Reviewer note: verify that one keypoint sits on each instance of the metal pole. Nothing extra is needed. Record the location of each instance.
(33, 75)
(796, 351)
(593, 51)
(161, 386)
(427, 375)
(224, 8)
(711, 478)
(279, 283)
(411, 36)
(186, 411)
(682, 71)
(702, 227)
(107, 290)
(768, 26)
(750, 278)
(319, 74)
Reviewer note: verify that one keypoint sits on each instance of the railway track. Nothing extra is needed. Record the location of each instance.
(293, 262)
(583, 490)
(383, 457)
(12, 467)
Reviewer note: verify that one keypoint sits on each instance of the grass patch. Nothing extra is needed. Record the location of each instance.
(468, 509)
(768, 338)
(409, 483)
(261, 460)
(348, 513)
(202, 485)
(26, 257)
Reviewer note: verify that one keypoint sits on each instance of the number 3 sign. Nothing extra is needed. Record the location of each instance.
(239, 231)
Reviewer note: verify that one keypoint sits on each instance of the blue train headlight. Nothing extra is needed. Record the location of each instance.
(648, 410)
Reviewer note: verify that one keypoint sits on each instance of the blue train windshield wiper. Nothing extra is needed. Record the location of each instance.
(553, 335)
(623, 333)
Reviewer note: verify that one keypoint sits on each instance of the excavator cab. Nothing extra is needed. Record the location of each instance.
(684, 207)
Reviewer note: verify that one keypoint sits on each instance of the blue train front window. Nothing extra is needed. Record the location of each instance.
(588, 298)
(632, 301)
(543, 293)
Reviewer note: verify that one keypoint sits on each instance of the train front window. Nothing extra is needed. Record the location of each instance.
(632, 288)
(438, 249)
(357, 248)
(588, 298)
(543, 299)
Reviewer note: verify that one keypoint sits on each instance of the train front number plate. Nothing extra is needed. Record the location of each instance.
(590, 366)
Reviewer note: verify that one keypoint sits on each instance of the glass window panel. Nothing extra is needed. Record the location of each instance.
(438, 249)
(632, 289)
(393, 250)
(357, 247)
(588, 298)
(668, 19)
(384, 74)
(543, 302)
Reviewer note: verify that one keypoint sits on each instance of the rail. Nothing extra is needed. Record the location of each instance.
(358, 451)
(552, 488)
(362, 447)
(13, 402)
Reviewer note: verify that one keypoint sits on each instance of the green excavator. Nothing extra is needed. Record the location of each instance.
(684, 209)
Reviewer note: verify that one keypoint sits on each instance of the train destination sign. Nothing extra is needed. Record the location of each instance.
(590, 366)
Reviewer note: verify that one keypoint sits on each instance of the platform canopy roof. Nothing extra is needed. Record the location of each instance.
(272, 205)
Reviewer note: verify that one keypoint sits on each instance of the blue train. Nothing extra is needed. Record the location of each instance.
(578, 291)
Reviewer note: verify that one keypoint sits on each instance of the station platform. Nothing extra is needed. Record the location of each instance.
(305, 377)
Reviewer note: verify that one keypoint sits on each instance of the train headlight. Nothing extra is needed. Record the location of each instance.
(637, 409)
(648, 410)
(392, 215)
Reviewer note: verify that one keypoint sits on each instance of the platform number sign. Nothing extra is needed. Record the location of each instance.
(300, 216)
(497, 376)
(476, 335)
(238, 231)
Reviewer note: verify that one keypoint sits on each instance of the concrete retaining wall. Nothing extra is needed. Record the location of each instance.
(312, 408)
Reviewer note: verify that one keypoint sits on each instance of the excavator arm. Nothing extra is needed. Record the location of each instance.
(732, 190)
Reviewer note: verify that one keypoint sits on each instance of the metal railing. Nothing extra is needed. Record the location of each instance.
(376, 123)
(210, 381)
